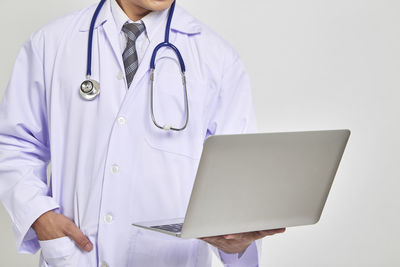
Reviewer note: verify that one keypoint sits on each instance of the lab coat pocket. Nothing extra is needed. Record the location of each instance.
(169, 108)
(156, 249)
(58, 252)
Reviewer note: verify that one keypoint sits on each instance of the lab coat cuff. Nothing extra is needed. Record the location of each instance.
(247, 258)
(26, 238)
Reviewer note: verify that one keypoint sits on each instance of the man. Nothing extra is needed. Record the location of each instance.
(110, 165)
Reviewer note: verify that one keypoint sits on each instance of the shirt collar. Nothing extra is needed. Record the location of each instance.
(181, 22)
(150, 21)
(119, 15)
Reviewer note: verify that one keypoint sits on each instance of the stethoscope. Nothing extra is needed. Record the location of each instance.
(90, 88)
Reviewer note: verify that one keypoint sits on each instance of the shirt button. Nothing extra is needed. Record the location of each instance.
(108, 218)
(120, 75)
(115, 168)
(104, 264)
(121, 120)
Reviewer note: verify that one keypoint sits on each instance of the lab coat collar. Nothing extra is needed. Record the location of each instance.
(181, 22)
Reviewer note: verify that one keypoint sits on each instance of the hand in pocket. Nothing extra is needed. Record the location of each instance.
(51, 225)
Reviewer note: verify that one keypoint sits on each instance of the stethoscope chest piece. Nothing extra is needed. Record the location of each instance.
(90, 89)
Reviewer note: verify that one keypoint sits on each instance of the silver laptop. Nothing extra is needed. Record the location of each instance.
(252, 182)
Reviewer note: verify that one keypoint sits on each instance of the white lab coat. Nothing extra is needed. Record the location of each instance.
(110, 165)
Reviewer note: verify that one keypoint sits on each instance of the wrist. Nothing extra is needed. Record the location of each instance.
(48, 226)
(237, 250)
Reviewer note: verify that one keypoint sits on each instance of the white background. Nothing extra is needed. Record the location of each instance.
(314, 64)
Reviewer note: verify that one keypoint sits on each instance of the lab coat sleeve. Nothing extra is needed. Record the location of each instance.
(248, 258)
(233, 113)
(24, 148)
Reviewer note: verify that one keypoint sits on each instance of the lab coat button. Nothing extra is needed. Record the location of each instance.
(120, 75)
(104, 264)
(121, 120)
(108, 218)
(115, 168)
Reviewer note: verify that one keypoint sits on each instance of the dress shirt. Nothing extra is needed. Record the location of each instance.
(151, 21)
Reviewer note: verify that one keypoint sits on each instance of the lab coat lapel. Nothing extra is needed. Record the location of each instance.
(181, 22)
(113, 37)
(144, 67)
(106, 21)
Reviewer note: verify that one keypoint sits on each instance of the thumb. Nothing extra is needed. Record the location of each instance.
(79, 238)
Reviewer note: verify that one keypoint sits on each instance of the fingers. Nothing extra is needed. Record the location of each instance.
(228, 246)
(210, 240)
(76, 234)
(255, 235)
(272, 232)
(51, 225)
(234, 243)
(244, 236)
(233, 236)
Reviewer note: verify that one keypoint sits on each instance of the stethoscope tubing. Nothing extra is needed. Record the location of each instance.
(91, 88)
(166, 43)
(90, 39)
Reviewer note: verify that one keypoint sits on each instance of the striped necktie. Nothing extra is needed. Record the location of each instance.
(131, 63)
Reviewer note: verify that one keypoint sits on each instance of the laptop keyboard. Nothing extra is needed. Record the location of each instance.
(174, 228)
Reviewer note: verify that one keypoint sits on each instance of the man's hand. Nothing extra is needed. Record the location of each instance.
(51, 225)
(237, 243)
